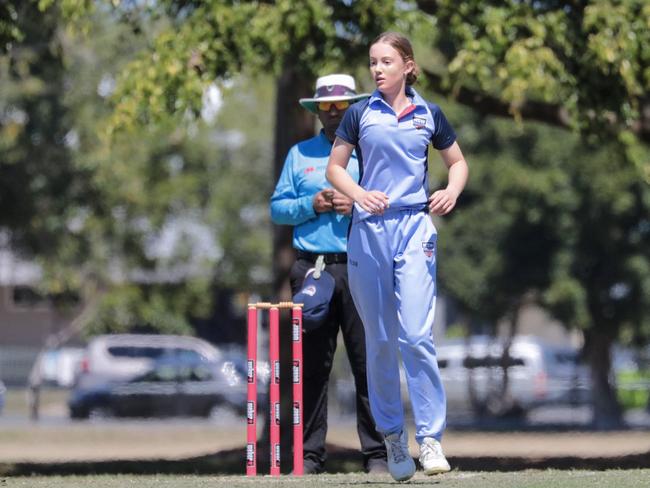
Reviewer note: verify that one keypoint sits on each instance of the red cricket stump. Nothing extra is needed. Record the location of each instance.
(274, 391)
(274, 388)
(296, 333)
(251, 397)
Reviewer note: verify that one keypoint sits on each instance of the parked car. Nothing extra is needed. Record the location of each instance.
(172, 386)
(538, 373)
(113, 356)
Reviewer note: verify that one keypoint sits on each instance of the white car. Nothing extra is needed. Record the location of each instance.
(126, 355)
(537, 373)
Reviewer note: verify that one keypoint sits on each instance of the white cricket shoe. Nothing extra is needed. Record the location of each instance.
(432, 459)
(400, 463)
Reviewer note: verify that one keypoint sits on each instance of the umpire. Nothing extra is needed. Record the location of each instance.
(321, 216)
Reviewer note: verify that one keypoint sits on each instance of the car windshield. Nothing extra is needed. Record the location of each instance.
(136, 351)
(155, 352)
(177, 371)
(562, 361)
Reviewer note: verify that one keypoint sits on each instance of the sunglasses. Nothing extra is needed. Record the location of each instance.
(326, 106)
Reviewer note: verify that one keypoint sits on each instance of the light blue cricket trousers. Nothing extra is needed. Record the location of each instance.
(392, 274)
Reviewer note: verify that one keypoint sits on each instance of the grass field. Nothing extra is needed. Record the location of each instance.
(455, 479)
(58, 454)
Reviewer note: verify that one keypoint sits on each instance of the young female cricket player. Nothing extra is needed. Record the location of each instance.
(392, 245)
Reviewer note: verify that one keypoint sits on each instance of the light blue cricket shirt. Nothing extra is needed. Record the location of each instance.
(393, 149)
(303, 175)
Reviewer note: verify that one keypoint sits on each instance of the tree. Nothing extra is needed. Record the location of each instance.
(581, 65)
(40, 187)
(95, 211)
(89, 208)
(575, 64)
(9, 30)
(546, 217)
(498, 246)
(213, 40)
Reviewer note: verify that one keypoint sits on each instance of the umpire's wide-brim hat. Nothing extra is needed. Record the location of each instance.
(333, 88)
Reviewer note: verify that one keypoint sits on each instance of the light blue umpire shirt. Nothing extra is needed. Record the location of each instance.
(303, 175)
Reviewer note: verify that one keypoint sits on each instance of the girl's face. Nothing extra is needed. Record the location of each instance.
(387, 67)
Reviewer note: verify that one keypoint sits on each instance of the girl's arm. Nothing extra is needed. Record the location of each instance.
(443, 201)
(371, 201)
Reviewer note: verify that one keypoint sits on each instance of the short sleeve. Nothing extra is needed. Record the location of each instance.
(348, 129)
(443, 133)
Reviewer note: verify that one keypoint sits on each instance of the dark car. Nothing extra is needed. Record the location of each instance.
(172, 387)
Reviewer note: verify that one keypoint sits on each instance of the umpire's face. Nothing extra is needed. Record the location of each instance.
(330, 115)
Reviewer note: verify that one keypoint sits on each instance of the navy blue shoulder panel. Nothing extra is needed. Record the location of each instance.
(443, 133)
(349, 127)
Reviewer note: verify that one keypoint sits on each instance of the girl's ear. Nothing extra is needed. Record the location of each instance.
(409, 66)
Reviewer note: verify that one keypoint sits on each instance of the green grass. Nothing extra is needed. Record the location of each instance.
(455, 479)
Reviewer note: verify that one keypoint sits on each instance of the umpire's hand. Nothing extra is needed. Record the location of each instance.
(323, 201)
(342, 204)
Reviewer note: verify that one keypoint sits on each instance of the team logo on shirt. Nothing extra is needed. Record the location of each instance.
(419, 122)
(429, 248)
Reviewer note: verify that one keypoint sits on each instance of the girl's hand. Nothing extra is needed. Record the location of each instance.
(442, 202)
(374, 202)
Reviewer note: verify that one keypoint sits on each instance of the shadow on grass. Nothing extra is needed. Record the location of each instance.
(340, 460)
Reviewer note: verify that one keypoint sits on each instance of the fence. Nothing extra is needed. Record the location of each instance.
(16, 363)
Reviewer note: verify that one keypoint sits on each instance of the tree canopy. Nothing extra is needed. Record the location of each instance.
(577, 64)
(144, 217)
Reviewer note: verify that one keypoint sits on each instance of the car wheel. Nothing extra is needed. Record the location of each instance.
(216, 412)
(77, 415)
(223, 414)
(100, 413)
(503, 405)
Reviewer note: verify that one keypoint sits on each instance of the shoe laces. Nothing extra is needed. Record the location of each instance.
(398, 450)
(430, 448)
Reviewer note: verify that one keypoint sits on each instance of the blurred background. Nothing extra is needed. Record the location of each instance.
(140, 142)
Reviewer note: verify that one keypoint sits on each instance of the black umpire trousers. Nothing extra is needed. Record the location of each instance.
(319, 346)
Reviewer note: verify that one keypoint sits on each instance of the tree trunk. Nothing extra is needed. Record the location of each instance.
(607, 411)
(292, 124)
(504, 404)
(497, 400)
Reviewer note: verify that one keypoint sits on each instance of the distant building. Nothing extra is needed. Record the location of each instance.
(27, 318)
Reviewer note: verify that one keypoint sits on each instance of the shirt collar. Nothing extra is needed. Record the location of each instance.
(410, 92)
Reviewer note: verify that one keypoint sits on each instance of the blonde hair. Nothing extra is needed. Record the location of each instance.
(403, 46)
